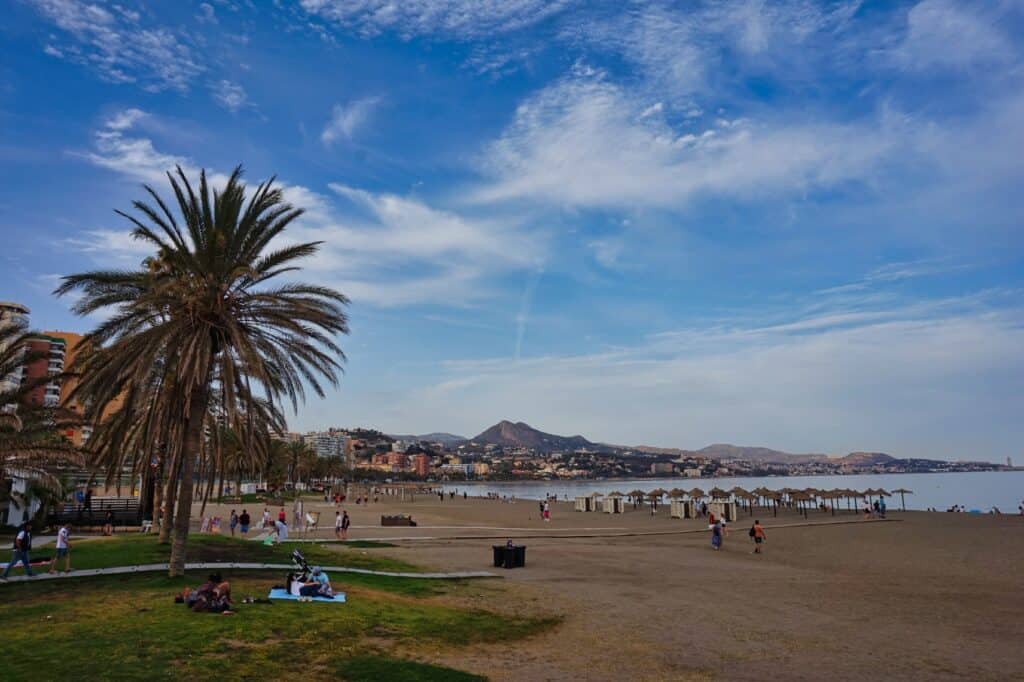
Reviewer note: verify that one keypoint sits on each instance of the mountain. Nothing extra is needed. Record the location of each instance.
(519, 434)
(755, 454)
(446, 438)
(865, 458)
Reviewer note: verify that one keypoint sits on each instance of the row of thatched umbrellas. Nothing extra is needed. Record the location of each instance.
(802, 497)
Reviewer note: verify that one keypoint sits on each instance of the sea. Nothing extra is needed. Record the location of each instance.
(975, 490)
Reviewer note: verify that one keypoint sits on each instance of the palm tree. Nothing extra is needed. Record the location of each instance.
(200, 319)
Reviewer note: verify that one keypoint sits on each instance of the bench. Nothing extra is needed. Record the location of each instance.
(124, 510)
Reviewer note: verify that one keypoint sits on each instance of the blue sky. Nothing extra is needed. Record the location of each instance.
(792, 224)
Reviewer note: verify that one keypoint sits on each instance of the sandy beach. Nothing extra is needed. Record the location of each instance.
(918, 596)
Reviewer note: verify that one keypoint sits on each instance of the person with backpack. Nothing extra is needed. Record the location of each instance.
(758, 535)
(22, 546)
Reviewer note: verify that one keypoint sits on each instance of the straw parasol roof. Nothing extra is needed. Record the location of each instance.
(738, 491)
(596, 494)
(718, 493)
(676, 493)
(696, 492)
(615, 493)
(657, 492)
(902, 491)
(636, 493)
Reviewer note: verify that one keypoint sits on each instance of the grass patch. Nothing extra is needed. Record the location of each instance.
(128, 550)
(375, 668)
(127, 627)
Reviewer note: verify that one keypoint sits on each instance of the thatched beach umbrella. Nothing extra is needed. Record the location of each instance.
(676, 493)
(696, 493)
(903, 500)
(615, 493)
(718, 494)
(636, 496)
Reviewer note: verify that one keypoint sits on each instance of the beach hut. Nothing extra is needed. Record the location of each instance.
(584, 503)
(613, 503)
(903, 500)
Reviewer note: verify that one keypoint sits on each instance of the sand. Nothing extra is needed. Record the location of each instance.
(921, 596)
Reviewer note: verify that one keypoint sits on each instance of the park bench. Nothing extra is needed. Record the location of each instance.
(125, 511)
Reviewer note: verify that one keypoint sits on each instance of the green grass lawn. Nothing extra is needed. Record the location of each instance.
(127, 627)
(132, 549)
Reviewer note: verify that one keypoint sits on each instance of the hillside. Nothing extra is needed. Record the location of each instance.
(865, 458)
(519, 434)
(440, 437)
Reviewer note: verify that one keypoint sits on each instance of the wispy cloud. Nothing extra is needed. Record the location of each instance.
(463, 19)
(944, 34)
(112, 40)
(882, 379)
(379, 248)
(585, 141)
(347, 118)
(231, 96)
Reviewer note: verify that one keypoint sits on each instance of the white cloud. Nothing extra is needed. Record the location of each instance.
(586, 142)
(345, 119)
(231, 96)
(947, 34)
(207, 14)
(112, 42)
(464, 19)
(943, 381)
(379, 248)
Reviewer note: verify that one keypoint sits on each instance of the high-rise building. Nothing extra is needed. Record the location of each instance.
(422, 464)
(41, 372)
(327, 443)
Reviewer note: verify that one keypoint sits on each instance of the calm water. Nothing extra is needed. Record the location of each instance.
(977, 490)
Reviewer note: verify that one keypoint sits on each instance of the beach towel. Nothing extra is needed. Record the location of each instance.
(339, 597)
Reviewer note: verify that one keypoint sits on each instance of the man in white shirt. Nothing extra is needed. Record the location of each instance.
(63, 549)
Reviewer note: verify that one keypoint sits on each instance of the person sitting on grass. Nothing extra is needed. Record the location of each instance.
(318, 585)
(213, 596)
(63, 549)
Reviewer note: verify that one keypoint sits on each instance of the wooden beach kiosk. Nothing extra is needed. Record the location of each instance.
(584, 503)
(613, 503)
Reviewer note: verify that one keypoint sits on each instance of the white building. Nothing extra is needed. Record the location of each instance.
(327, 443)
(12, 313)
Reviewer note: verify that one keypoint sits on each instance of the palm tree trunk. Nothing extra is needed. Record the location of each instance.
(170, 497)
(193, 437)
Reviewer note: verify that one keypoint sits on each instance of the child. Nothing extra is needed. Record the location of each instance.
(63, 549)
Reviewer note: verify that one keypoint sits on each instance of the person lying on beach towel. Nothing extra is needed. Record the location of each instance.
(213, 596)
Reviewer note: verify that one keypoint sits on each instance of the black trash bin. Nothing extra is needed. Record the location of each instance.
(509, 557)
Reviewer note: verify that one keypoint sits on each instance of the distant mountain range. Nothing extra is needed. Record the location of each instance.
(519, 434)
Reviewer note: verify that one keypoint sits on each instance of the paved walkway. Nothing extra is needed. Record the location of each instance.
(210, 566)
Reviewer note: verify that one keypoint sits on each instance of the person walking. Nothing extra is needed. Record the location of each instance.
(22, 546)
(345, 523)
(758, 535)
(233, 522)
(337, 525)
(63, 549)
(881, 506)
(547, 512)
(108, 523)
(265, 523)
(244, 520)
(716, 535)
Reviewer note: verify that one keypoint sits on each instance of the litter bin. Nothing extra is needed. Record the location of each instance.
(509, 557)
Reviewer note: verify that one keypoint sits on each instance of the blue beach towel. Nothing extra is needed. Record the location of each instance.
(339, 597)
